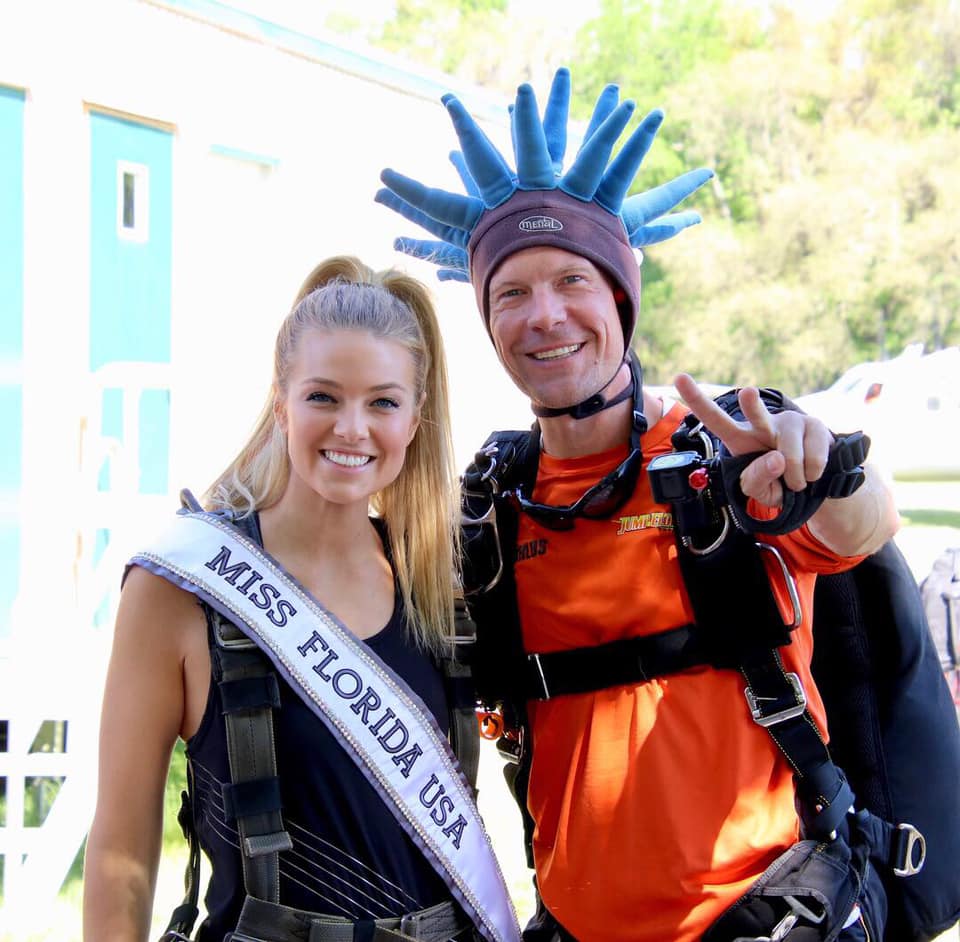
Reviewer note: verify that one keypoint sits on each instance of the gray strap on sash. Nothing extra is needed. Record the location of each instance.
(253, 763)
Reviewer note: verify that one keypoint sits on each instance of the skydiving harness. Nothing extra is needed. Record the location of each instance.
(716, 549)
(249, 693)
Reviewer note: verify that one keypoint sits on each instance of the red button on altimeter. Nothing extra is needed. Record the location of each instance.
(699, 479)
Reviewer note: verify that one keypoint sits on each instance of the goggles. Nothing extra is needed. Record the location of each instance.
(610, 493)
(598, 502)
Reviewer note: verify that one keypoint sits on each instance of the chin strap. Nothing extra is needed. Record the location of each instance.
(597, 402)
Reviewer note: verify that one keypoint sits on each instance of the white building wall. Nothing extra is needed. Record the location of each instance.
(276, 158)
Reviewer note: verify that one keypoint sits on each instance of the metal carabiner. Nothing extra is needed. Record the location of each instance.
(487, 519)
(915, 839)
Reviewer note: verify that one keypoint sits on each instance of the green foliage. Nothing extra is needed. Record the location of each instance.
(648, 45)
(176, 784)
(829, 234)
(417, 24)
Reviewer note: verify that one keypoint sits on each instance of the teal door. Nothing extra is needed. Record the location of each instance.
(130, 258)
(11, 345)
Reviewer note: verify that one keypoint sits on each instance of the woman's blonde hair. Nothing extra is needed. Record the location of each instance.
(420, 506)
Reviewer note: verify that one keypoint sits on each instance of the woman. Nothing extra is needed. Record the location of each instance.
(356, 421)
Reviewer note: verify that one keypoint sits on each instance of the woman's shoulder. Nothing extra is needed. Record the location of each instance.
(149, 601)
(143, 583)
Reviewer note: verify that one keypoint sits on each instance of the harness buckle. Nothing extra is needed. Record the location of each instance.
(911, 839)
(510, 746)
(410, 925)
(782, 929)
(787, 713)
(229, 636)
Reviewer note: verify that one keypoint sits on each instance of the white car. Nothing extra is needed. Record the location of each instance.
(909, 406)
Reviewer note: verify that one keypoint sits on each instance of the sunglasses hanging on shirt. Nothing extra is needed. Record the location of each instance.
(611, 492)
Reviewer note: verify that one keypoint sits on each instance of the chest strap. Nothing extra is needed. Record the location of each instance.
(629, 661)
(775, 698)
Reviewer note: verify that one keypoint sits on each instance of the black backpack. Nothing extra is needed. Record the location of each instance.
(893, 728)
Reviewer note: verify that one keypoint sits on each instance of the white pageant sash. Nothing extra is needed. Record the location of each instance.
(379, 721)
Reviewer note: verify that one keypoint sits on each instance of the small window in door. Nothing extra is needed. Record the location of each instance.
(133, 201)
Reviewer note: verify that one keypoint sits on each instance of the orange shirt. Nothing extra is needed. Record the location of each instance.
(656, 804)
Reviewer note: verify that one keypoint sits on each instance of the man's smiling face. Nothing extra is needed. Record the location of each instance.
(555, 325)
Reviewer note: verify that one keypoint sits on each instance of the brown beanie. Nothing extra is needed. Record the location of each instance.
(554, 218)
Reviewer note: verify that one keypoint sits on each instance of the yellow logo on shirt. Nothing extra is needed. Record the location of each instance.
(658, 520)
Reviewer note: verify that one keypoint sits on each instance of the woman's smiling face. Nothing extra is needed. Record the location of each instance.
(349, 412)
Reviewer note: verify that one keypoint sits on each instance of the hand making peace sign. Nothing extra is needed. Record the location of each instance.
(795, 445)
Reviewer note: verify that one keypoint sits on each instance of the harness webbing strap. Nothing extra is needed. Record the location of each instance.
(250, 693)
(185, 915)
(438, 923)
(740, 621)
(751, 629)
(342, 682)
(629, 661)
(778, 703)
(253, 794)
(455, 665)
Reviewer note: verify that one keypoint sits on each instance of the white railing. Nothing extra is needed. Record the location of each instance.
(57, 675)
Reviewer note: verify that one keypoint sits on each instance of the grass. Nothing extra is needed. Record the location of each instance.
(931, 518)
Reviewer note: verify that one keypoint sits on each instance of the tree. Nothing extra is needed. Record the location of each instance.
(829, 232)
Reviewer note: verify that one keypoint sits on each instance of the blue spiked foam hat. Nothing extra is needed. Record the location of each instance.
(584, 210)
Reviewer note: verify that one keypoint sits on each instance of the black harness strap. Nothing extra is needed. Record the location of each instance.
(462, 700)
(630, 661)
(185, 915)
(249, 693)
(738, 626)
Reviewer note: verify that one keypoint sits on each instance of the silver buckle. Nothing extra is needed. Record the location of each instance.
(229, 636)
(914, 839)
(756, 711)
(783, 928)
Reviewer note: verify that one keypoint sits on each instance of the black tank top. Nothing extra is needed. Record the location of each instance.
(350, 857)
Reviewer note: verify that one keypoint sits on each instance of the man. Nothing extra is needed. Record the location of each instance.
(657, 801)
